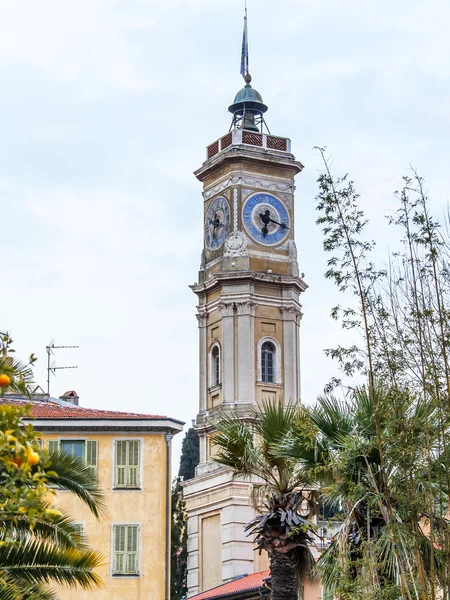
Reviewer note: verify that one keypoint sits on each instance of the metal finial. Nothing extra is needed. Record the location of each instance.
(247, 78)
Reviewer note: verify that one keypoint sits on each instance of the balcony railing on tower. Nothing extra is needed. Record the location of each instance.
(238, 137)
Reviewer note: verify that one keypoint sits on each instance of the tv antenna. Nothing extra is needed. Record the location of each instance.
(51, 364)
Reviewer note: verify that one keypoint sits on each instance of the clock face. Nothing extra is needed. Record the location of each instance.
(217, 223)
(266, 219)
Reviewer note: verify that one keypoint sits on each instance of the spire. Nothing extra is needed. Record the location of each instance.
(244, 52)
(248, 106)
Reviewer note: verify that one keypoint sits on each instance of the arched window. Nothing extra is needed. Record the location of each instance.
(215, 366)
(267, 362)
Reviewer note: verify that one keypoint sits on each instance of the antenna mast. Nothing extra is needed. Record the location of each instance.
(51, 368)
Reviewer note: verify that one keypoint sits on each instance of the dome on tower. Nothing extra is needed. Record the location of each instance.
(248, 107)
(248, 94)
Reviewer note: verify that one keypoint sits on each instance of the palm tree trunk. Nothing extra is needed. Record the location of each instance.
(283, 571)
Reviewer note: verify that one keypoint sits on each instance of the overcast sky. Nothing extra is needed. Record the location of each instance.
(105, 111)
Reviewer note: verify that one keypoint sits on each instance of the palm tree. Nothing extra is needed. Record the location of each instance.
(251, 450)
(35, 552)
(382, 547)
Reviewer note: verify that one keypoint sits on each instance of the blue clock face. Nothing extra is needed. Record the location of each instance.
(217, 223)
(266, 219)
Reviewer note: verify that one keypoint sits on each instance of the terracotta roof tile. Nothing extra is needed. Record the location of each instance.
(242, 584)
(50, 410)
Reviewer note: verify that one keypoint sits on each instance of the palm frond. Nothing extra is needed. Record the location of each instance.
(333, 418)
(35, 562)
(237, 449)
(329, 568)
(21, 375)
(11, 589)
(73, 475)
(58, 528)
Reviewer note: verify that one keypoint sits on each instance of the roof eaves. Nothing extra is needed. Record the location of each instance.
(155, 424)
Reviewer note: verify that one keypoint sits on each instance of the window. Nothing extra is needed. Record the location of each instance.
(74, 448)
(79, 527)
(127, 464)
(85, 450)
(215, 366)
(125, 546)
(267, 362)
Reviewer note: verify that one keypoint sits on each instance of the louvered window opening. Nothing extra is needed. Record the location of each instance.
(86, 450)
(127, 464)
(267, 360)
(79, 527)
(126, 555)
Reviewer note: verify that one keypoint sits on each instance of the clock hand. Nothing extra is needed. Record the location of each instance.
(266, 219)
(216, 223)
(282, 225)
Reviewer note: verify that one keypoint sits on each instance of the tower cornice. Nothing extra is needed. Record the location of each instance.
(218, 279)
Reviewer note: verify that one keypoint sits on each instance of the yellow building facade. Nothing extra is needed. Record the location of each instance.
(131, 457)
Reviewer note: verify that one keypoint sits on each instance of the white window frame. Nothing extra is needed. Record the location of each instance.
(212, 366)
(141, 467)
(111, 568)
(277, 380)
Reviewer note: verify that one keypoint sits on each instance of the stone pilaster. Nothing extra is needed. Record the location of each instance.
(227, 311)
(246, 351)
(202, 318)
(291, 320)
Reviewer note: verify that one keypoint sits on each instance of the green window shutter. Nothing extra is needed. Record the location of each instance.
(119, 532)
(92, 456)
(133, 463)
(120, 478)
(79, 527)
(53, 445)
(132, 550)
(127, 464)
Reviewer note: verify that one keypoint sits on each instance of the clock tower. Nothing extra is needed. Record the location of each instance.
(249, 318)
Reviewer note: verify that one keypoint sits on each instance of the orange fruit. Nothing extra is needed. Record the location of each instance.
(5, 380)
(33, 458)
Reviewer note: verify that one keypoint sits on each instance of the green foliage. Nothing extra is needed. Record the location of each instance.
(281, 486)
(382, 451)
(190, 455)
(38, 543)
(22, 485)
(19, 373)
(178, 566)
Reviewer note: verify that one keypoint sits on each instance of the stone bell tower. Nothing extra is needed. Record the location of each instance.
(248, 316)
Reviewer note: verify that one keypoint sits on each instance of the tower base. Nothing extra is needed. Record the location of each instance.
(218, 508)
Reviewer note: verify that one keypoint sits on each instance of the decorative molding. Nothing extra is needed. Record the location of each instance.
(246, 192)
(246, 308)
(262, 183)
(217, 189)
(235, 209)
(203, 260)
(236, 245)
(202, 318)
(256, 182)
(292, 249)
(291, 313)
(227, 310)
